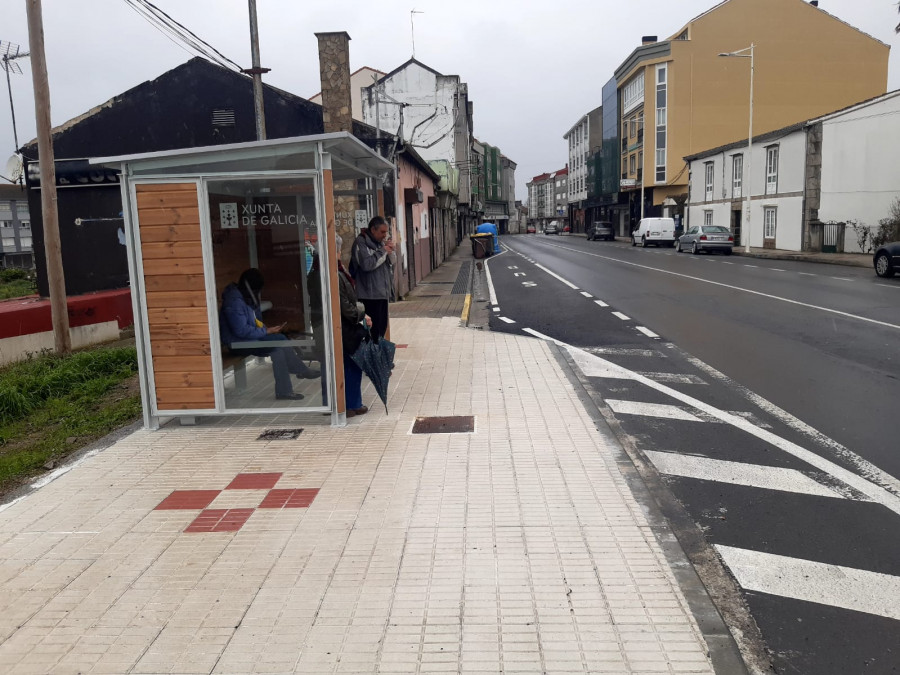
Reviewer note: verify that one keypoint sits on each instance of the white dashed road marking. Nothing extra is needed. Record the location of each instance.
(737, 473)
(646, 331)
(669, 412)
(621, 316)
(503, 318)
(586, 294)
(601, 303)
(677, 378)
(810, 581)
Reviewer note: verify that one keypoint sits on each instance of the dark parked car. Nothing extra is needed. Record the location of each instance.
(887, 259)
(707, 238)
(551, 228)
(601, 229)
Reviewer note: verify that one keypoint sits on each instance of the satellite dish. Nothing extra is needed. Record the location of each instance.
(14, 168)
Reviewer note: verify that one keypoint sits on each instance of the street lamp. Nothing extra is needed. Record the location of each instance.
(745, 182)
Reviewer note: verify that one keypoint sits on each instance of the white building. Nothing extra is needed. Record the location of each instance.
(584, 139)
(547, 198)
(359, 79)
(839, 168)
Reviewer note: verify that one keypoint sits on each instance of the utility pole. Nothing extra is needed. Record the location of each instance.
(257, 72)
(52, 247)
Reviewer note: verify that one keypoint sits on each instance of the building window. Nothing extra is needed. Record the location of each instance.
(709, 173)
(631, 165)
(772, 170)
(737, 175)
(707, 218)
(634, 93)
(661, 122)
(771, 214)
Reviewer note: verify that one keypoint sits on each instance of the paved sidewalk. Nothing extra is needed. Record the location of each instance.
(516, 548)
(849, 259)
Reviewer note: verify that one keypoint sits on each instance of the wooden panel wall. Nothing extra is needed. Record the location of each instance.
(169, 222)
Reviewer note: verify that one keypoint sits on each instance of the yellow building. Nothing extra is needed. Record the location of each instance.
(807, 63)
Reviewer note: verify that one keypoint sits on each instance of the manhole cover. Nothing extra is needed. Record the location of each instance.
(459, 424)
(279, 434)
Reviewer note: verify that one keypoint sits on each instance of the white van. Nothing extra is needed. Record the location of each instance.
(654, 231)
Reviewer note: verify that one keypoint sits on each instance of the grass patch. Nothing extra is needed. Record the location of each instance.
(16, 283)
(50, 406)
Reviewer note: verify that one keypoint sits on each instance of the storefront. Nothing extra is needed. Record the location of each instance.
(195, 220)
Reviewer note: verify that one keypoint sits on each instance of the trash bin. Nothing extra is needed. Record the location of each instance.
(482, 245)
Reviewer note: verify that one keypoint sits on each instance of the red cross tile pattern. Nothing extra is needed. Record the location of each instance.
(231, 520)
(220, 520)
(289, 499)
(254, 481)
(188, 499)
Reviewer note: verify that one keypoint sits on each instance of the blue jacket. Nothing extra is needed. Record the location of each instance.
(237, 318)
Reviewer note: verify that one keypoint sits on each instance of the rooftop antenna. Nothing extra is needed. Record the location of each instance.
(9, 52)
(412, 30)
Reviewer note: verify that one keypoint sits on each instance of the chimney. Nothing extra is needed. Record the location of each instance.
(334, 70)
(648, 39)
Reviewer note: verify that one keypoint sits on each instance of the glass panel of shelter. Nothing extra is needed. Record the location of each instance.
(265, 240)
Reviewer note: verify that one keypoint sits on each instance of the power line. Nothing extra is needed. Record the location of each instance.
(179, 34)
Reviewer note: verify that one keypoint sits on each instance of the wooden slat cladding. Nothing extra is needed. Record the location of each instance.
(161, 299)
(177, 318)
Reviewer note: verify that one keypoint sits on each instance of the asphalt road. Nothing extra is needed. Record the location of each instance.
(764, 392)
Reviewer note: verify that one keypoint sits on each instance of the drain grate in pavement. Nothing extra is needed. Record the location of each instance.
(462, 279)
(279, 434)
(459, 424)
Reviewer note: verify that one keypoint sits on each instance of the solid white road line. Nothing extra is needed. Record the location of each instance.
(556, 276)
(586, 294)
(621, 316)
(601, 303)
(864, 467)
(503, 318)
(669, 412)
(646, 331)
(737, 473)
(810, 581)
(678, 378)
(736, 288)
(875, 492)
(487, 275)
(887, 286)
(841, 279)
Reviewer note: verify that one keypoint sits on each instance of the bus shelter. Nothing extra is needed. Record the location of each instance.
(195, 220)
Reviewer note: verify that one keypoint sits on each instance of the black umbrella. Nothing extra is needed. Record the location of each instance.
(376, 359)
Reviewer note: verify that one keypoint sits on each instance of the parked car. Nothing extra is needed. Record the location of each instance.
(530, 229)
(601, 229)
(887, 259)
(654, 231)
(566, 229)
(707, 238)
(551, 228)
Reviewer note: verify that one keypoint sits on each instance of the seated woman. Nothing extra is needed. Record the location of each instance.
(240, 320)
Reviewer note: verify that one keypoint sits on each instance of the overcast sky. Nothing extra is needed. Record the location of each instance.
(533, 68)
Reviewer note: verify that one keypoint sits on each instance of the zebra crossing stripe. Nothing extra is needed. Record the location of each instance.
(738, 473)
(671, 412)
(810, 581)
(503, 318)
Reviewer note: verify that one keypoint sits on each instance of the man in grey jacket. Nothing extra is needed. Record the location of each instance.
(372, 267)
